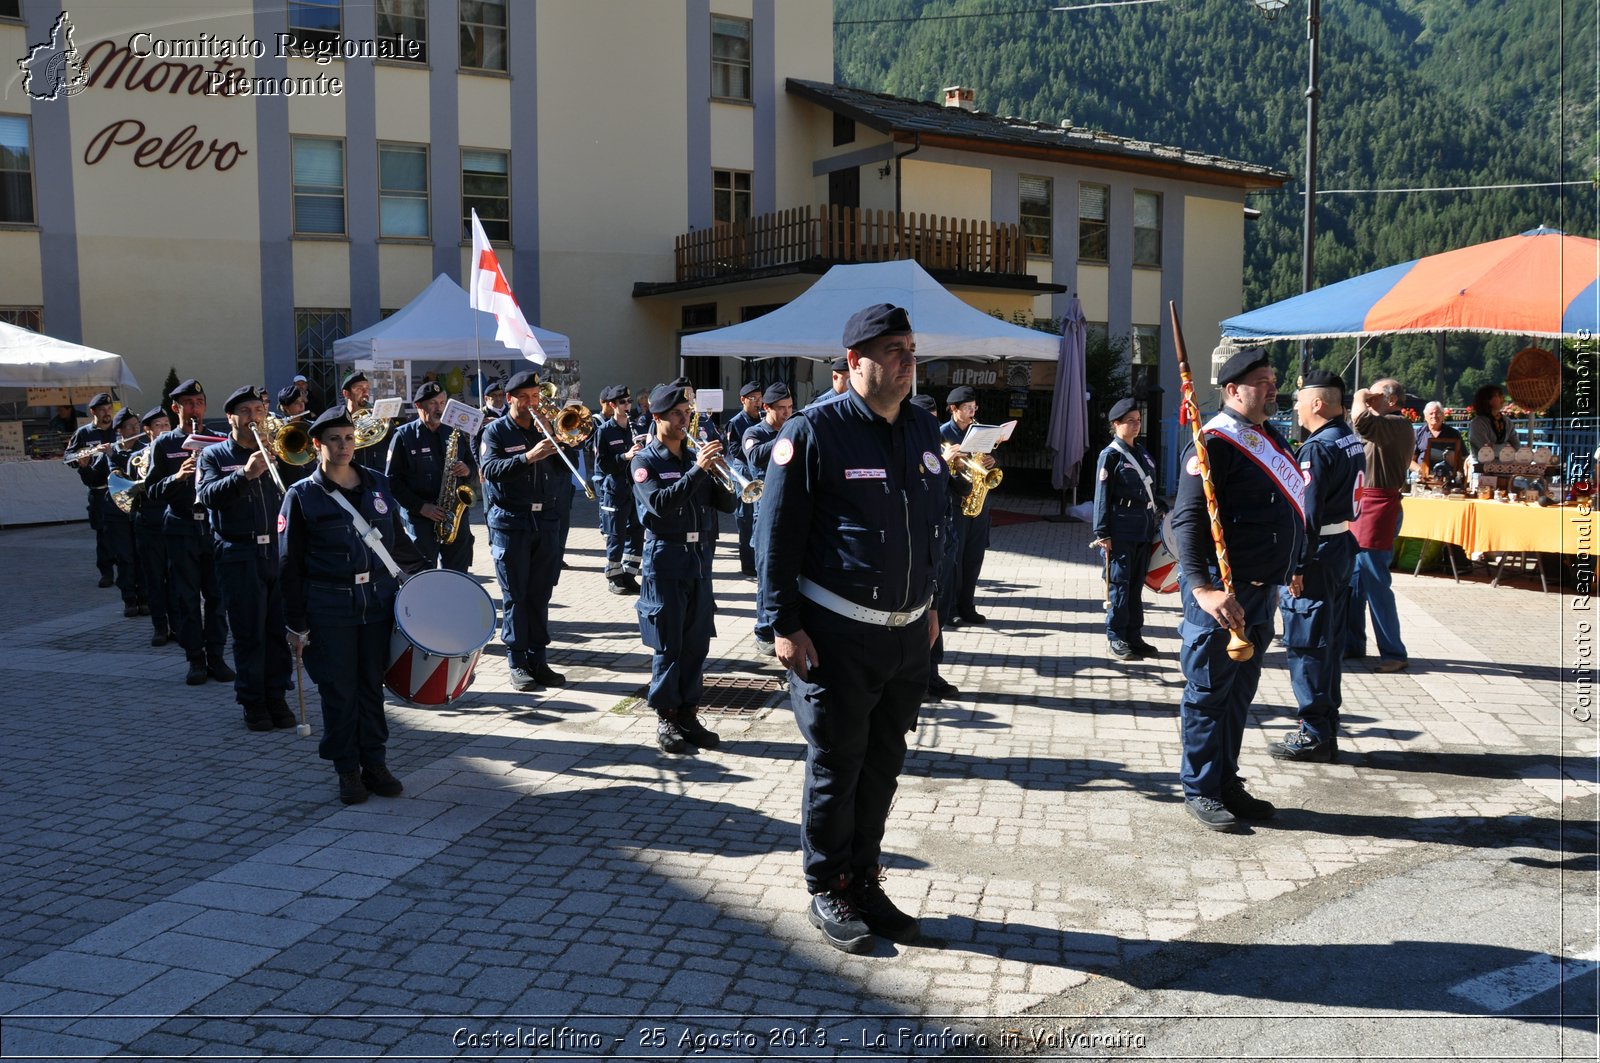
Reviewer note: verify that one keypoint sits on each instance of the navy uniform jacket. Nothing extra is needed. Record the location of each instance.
(101, 466)
(676, 497)
(611, 442)
(328, 569)
(1334, 463)
(757, 445)
(375, 457)
(148, 514)
(1122, 510)
(416, 464)
(512, 486)
(1259, 524)
(243, 512)
(856, 505)
(737, 426)
(166, 487)
(94, 474)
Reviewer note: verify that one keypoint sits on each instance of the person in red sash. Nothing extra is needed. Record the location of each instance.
(1390, 442)
(1260, 500)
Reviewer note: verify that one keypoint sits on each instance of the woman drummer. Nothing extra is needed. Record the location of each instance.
(339, 584)
(1127, 519)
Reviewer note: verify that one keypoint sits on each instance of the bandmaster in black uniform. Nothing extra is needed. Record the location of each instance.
(1259, 494)
(849, 539)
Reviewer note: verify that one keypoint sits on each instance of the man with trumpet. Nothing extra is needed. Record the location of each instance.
(240, 488)
(116, 522)
(423, 456)
(677, 486)
(1258, 493)
(521, 484)
(195, 601)
(87, 442)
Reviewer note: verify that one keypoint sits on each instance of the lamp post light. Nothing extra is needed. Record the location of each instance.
(1270, 9)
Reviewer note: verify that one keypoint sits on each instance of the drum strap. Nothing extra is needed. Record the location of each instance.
(370, 536)
(1138, 467)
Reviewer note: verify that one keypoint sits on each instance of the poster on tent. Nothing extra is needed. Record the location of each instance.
(61, 396)
(12, 444)
(390, 379)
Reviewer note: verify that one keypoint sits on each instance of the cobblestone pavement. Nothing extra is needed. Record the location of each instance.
(552, 884)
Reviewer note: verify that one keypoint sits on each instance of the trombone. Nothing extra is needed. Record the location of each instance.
(570, 420)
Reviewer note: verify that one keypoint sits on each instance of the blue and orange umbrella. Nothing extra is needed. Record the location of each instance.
(1539, 283)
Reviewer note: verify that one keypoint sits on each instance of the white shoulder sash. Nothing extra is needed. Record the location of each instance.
(1273, 459)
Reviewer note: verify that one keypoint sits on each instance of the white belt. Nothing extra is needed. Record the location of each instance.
(1334, 529)
(845, 607)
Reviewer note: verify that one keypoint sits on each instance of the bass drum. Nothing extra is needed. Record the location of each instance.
(442, 622)
(1162, 575)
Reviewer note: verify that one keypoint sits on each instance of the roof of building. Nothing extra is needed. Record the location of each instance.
(953, 127)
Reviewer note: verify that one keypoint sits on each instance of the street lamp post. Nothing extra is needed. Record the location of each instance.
(1270, 8)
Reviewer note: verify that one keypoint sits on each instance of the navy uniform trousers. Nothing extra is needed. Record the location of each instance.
(1218, 690)
(619, 523)
(527, 564)
(424, 534)
(1315, 628)
(195, 598)
(347, 661)
(862, 696)
(150, 544)
(1128, 562)
(117, 530)
(677, 611)
(744, 519)
(262, 662)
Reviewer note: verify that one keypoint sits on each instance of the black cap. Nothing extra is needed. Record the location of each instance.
(287, 394)
(426, 390)
(152, 414)
(187, 388)
(525, 379)
(679, 382)
(1122, 408)
(1242, 364)
(880, 319)
(959, 395)
(750, 388)
(608, 393)
(102, 399)
(925, 401)
(1323, 378)
(840, 364)
(248, 393)
(775, 393)
(351, 378)
(333, 417)
(494, 386)
(667, 396)
(123, 415)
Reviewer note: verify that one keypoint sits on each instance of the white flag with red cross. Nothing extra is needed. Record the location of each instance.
(489, 291)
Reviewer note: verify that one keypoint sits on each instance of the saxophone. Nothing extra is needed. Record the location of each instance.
(454, 497)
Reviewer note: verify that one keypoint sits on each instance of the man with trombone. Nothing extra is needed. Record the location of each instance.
(242, 491)
(87, 442)
(195, 600)
(521, 485)
(422, 456)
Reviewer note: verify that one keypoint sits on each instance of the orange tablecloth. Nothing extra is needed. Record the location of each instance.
(1500, 527)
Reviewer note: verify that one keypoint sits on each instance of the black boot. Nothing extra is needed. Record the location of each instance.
(218, 669)
(256, 717)
(691, 728)
(669, 737)
(278, 710)
(197, 671)
(351, 789)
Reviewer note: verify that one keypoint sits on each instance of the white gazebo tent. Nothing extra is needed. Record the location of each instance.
(812, 325)
(33, 360)
(438, 326)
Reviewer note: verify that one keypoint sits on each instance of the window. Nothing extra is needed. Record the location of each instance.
(16, 171)
(11, 9)
(315, 329)
(844, 130)
(403, 18)
(698, 316)
(483, 34)
(1093, 240)
(28, 317)
(318, 185)
(402, 190)
(313, 22)
(1146, 345)
(1147, 228)
(730, 195)
(486, 188)
(1033, 207)
(730, 58)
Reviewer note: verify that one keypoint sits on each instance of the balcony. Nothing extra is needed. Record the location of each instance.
(803, 240)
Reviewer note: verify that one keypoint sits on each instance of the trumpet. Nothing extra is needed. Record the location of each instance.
(729, 478)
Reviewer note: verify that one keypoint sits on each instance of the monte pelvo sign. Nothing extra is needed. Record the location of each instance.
(206, 66)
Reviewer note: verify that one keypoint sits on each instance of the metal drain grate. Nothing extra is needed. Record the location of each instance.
(737, 695)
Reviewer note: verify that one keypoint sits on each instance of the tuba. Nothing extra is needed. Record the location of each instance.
(982, 480)
(454, 496)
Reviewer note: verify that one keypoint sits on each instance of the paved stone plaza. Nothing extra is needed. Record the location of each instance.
(551, 884)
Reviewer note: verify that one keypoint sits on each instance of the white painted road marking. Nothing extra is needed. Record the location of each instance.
(1510, 986)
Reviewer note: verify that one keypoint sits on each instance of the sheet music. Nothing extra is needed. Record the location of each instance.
(459, 415)
(983, 438)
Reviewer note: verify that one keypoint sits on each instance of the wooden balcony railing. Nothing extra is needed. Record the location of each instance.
(850, 234)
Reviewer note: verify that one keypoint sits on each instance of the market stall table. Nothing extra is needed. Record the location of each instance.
(1487, 527)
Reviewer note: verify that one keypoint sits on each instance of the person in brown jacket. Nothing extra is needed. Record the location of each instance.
(1390, 442)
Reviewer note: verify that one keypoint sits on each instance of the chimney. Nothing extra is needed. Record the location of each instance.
(962, 97)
